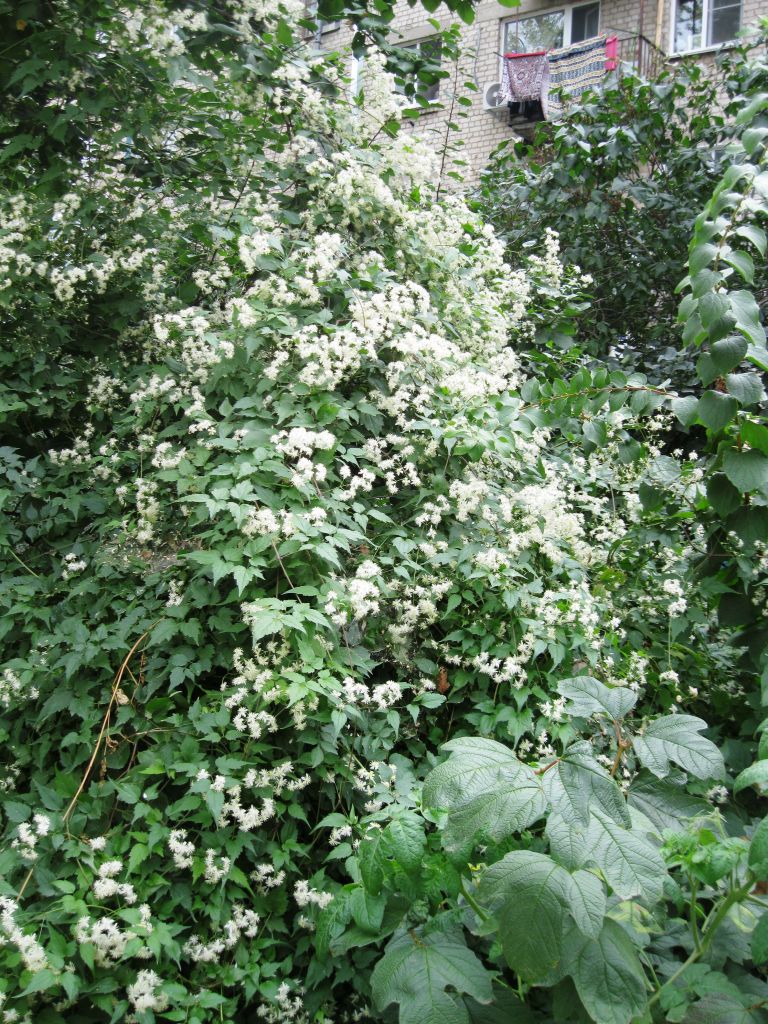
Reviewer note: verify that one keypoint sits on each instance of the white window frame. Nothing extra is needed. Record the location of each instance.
(567, 11)
(705, 43)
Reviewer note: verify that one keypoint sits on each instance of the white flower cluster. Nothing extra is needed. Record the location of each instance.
(13, 690)
(306, 896)
(243, 922)
(72, 565)
(182, 850)
(105, 885)
(382, 696)
(143, 994)
(32, 954)
(28, 836)
(360, 596)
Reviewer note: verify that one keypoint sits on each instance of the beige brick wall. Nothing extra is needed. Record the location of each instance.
(481, 131)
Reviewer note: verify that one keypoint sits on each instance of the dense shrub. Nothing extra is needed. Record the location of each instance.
(284, 516)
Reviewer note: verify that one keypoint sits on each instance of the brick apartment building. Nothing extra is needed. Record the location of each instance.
(649, 33)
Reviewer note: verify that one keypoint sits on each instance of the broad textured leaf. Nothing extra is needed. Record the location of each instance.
(588, 696)
(630, 864)
(587, 902)
(486, 791)
(663, 804)
(755, 775)
(505, 1009)
(747, 470)
(747, 388)
(716, 411)
(530, 896)
(608, 976)
(728, 353)
(578, 781)
(758, 851)
(419, 968)
(678, 738)
(759, 941)
(406, 840)
(367, 910)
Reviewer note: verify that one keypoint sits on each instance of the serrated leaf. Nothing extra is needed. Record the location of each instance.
(587, 902)
(685, 409)
(367, 909)
(664, 805)
(405, 840)
(531, 896)
(747, 314)
(608, 975)
(486, 791)
(631, 866)
(758, 851)
(578, 781)
(588, 696)
(728, 353)
(331, 921)
(759, 941)
(755, 775)
(747, 470)
(715, 410)
(418, 968)
(746, 388)
(678, 738)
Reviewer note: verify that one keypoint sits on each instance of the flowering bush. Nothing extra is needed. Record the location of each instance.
(284, 516)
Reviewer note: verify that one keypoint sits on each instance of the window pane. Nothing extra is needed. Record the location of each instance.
(585, 22)
(688, 27)
(428, 49)
(725, 21)
(542, 32)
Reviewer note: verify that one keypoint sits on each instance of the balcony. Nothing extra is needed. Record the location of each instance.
(623, 52)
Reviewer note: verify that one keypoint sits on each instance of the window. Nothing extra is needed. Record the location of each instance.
(431, 50)
(572, 24)
(700, 23)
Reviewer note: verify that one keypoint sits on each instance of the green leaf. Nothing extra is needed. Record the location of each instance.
(747, 470)
(742, 263)
(367, 909)
(418, 968)
(630, 864)
(532, 897)
(755, 435)
(685, 409)
(677, 738)
(747, 314)
(608, 975)
(663, 804)
(755, 775)
(405, 840)
(728, 353)
(331, 922)
(715, 410)
(753, 234)
(587, 696)
(578, 781)
(722, 495)
(758, 851)
(759, 941)
(486, 791)
(746, 388)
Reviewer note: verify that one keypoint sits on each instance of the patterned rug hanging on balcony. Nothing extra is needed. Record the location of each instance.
(525, 77)
(574, 69)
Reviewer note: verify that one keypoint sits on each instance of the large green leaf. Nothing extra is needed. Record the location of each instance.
(608, 975)
(486, 791)
(678, 738)
(758, 851)
(755, 775)
(663, 804)
(418, 969)
(533, 898)
(588, 696)
(578, 781)
(630, 864)
(747, 470)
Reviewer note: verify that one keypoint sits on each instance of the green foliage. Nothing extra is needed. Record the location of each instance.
(348, 669)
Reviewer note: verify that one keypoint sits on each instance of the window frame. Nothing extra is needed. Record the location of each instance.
(416, 44)
(706, 9)
(566, 10)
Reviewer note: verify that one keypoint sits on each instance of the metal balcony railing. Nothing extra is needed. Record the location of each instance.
(643, 56)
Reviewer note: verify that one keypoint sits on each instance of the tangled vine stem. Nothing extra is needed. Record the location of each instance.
(733, 897)
(606, 389)
(104, 723)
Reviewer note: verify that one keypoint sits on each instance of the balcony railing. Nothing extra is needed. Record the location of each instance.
(640, 53)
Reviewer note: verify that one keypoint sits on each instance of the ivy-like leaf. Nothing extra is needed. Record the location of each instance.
(486, 791)
(417, 970)
(678, 738)
(588, 696)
